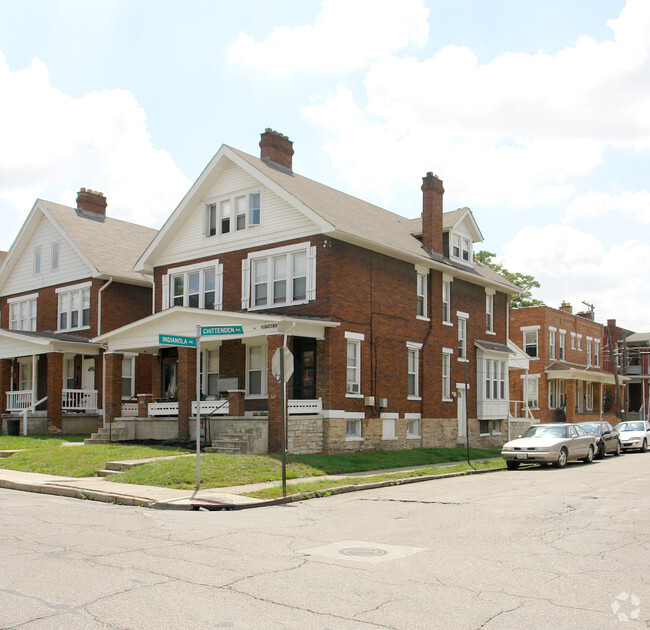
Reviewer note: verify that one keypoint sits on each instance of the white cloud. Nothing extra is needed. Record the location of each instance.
(634, 205)
(53, 144)
(521, 128)
(345, 35)
(574, 266)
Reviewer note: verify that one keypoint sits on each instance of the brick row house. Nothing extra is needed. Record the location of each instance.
(67, 277)
(566, 380)
(397, 334)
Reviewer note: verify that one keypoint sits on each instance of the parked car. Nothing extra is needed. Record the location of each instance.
(550, 443)
(635, 434)
(607, 438)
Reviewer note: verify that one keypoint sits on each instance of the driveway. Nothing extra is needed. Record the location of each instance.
(536, 548)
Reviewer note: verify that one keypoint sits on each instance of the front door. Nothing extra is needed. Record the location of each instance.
(460, 409)
(304, 368)
(88, 374)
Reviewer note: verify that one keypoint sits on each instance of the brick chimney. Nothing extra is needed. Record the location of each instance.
(567, 308)
(276, 149)
(91, 204)
(432, 192)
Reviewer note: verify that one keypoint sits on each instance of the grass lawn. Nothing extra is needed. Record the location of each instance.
(218, 471)
(323, 487)
(45, 454)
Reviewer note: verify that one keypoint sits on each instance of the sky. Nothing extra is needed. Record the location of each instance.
(536, 115)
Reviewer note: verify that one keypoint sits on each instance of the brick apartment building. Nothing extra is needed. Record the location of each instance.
(566, 379)
(396, 332)
(67, 277)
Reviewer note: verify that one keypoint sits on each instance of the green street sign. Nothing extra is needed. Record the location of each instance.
(177, 340)
(207, 331)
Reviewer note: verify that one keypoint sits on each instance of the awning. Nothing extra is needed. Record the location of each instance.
(577, 374)
(492, 346)
(23, 343)
(143, 335)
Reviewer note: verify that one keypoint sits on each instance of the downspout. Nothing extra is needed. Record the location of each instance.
(99, 305)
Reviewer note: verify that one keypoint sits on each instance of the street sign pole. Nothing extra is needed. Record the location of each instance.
(198, 407)
(283, 402)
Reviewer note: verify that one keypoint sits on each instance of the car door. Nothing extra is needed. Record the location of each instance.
(573, 443)
(610, 438)
(582, 440)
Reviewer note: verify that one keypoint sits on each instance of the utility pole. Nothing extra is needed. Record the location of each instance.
(591, 308)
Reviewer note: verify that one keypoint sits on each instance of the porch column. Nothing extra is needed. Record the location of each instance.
(186, 388)
(571, 393)
(5, 383)
(156, 375)
(274, 398)
(112, 386)
(55, 388)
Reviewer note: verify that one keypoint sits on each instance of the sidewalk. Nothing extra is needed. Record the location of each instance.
(100, 489)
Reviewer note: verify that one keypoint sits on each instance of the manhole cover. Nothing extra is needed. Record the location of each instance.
(363, 551)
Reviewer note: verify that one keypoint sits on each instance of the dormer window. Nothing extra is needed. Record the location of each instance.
(232, 214)
(461, 248)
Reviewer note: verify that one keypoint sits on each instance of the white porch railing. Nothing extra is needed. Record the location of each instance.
(302, 407)
(19, 400)
(162, 409)
(129, 410)
(79, 400)
(212, 407)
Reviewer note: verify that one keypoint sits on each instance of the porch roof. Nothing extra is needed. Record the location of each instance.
(143, 335)
(22, 343)
(571, 373)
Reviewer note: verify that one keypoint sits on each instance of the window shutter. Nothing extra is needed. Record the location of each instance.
(218, 288)
(165, 292)
(311, 273)
(245, 283)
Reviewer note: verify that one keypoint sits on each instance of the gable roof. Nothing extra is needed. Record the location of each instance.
(109, 247)
(341, 215)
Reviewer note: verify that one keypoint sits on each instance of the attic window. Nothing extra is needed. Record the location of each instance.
(461, 248)
(234, 213)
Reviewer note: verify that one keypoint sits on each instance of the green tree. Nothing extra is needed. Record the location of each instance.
(524, 281)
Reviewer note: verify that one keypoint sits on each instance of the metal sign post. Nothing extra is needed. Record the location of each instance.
(198, 407)
(282, 368)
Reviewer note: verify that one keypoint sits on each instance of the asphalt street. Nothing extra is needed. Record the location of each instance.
(533, 548)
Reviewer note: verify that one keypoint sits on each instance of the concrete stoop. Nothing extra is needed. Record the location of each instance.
(235, 442)
(104, 435)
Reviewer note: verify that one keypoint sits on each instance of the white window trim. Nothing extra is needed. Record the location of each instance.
(38, 256)
(22, 298)
(356, 338)
(449, 352)
(489, 299)
(460, 315)
(358, 436)
(424, 273)
(413, 417)
(265, 367)
(216, 201)
(168, 287)
(531, 377)
(130, 359)
(11, 302)
(390, 418)
(310, 279)
(410, 345)
(527, 329)
(463, 239)
(446, 280)
(72, 288)
(53, 246)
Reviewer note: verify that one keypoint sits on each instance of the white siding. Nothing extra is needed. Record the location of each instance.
(280, 221)
(71, 266)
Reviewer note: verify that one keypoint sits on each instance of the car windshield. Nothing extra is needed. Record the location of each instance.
(538, 432)
(631, 426)
(592, 428)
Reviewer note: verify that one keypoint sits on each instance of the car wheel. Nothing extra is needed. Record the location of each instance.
(618, 450)
(512, 465)
(590, 455)
(644, 446)
(601, 451)
(562, 458)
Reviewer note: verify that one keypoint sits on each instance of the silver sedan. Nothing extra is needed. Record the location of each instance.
(550, 443)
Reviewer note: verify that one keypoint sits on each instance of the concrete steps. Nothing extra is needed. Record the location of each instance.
(235, 442)
(104, 435)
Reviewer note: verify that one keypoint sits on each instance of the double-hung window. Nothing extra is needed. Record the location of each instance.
(413, 363)
(37, 260)
(589, 396)
(530, 342)
(589, 340)
(597, 352)
(74, 307)
(556, 393)
(446, 373)
(279, 277)
(232, 214)
(551, 343)
(489, 312)
(353, 363)
(194, 286)
(462, 336)
(562, 345)
(495, 379)
(421, 291)
(128, 378)
(446, 302)
(256, 371)
(54, 257)
(22, 312)
(531, 393)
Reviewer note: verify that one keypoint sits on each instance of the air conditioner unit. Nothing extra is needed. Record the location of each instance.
(369, 401)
